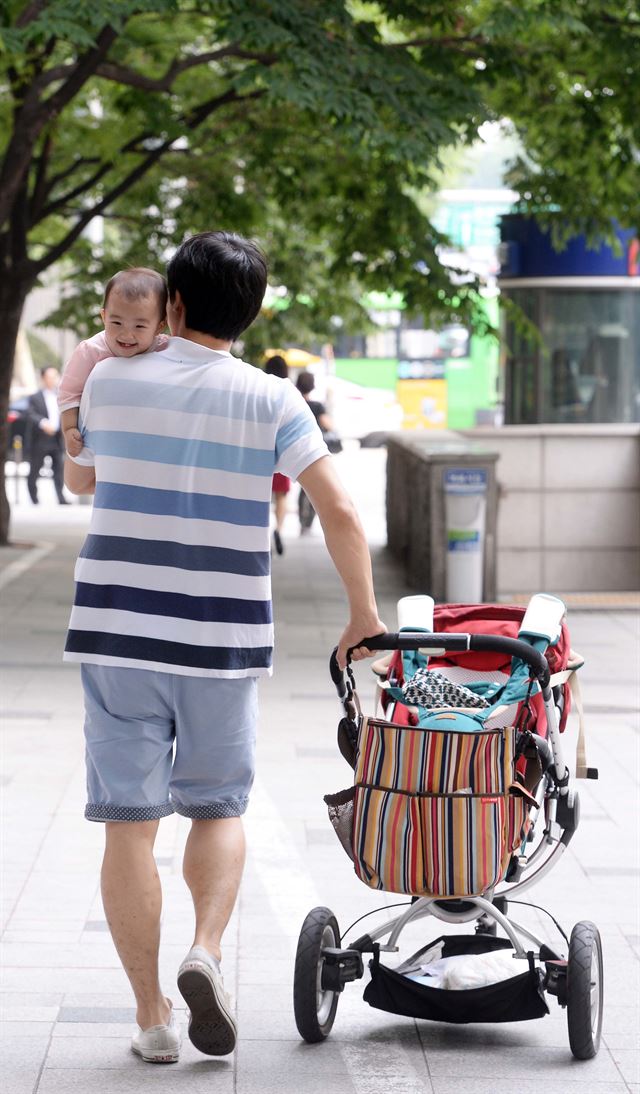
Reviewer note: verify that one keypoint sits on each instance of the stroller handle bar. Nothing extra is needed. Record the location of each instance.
(437, 644)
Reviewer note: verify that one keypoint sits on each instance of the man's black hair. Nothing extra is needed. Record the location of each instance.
(305, 383)
(222, 279)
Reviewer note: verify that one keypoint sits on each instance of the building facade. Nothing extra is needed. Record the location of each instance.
(571, 322)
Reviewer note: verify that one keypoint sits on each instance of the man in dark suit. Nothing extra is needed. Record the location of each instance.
(46, 435)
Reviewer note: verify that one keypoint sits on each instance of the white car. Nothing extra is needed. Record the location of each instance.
(365, 414)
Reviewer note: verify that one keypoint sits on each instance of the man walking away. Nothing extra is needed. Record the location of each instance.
(172, 620)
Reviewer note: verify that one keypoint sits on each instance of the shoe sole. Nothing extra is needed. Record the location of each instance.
(164, 1058)
(211, 1028)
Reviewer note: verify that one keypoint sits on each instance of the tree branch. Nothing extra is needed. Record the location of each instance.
(61, 203)
(192, 121)
(34, 115)
(31, 12)
(455, 42)
(81, 161)
(123, 75)
(40, 185)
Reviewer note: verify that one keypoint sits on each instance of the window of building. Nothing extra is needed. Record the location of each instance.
(587, 367)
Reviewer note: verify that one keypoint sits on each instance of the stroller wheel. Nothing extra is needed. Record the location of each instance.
(314, 1007)
(584, 990)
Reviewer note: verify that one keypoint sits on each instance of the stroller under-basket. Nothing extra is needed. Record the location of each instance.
(461, 798)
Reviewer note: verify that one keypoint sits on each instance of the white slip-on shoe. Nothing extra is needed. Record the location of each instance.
(158, 1044)
(212, 1027)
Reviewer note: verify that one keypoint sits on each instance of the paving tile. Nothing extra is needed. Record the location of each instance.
(266, 971)
(472, 1058)
(28, 1015)
(290, 1083)
(96, 1014)
(44, 935)
(574, 1083)
(627, 1060)
(46, 955)
(256, 996)
(19, 1080)
(107, 1028)
(262, 1065)
(21, 1051)
(210, 1078)
(21, 1006)
(382, 1065)
(83, 980)
(94, 1053)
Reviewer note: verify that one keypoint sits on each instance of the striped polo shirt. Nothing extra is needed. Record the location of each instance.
(175, 572)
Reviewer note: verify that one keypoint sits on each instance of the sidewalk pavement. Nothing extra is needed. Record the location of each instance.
(67, 1005)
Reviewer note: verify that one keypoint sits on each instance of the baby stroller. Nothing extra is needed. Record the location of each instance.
(461, 800)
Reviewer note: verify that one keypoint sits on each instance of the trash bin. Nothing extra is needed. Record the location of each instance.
(465, 498)
(442, 503)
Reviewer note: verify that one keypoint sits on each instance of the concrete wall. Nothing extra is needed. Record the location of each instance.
(415, 506)
(569, 506)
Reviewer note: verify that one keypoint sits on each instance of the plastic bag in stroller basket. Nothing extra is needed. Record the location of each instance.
(431, 812)
(517, 999)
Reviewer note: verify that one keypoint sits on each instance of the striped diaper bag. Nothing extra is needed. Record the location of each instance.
(436, 811)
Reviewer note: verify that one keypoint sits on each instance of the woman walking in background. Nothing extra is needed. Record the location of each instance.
(306, 384)
(281, 485)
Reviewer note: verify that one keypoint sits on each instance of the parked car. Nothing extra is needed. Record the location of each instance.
(366, 414)
(18, 429)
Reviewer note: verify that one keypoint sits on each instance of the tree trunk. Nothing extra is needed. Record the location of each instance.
(13, 294)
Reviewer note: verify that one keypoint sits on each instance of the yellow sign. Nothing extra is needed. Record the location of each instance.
(424, 403)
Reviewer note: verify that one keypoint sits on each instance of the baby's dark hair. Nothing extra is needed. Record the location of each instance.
(136, 283)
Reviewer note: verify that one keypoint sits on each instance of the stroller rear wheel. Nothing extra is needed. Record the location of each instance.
(314, 1007)
(584, 990)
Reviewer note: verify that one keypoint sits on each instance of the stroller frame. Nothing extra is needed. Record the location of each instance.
(324, 965)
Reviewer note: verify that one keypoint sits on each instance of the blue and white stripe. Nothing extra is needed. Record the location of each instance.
(174, 575)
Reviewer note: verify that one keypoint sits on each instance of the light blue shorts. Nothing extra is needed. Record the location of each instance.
(158, 743)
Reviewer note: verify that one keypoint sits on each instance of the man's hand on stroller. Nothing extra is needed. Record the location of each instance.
(357, 629)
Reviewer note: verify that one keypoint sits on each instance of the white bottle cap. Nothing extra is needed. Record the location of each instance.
(416, 613)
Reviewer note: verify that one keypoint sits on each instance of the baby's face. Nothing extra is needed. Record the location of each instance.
(130, 326)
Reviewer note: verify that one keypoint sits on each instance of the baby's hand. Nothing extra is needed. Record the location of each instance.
(73, 441)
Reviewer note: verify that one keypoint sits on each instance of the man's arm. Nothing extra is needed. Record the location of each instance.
(348, 548)
(79, 478)
(38, 415)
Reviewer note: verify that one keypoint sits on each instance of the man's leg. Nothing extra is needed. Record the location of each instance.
(213, 864)
(57, 466)
(132, 898)
(37, 460)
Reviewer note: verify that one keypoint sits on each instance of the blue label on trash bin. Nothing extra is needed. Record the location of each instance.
(463, 540)
(465, 480)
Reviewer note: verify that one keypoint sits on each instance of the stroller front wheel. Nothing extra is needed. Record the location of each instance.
(584, 990)
(314, 1006)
